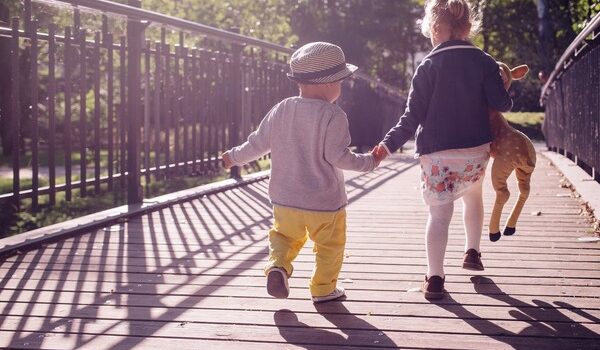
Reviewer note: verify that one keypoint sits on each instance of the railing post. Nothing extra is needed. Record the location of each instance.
(135, 38)
(15, 111)
(236, 83)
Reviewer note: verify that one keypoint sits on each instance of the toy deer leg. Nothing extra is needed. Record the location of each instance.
(523, 177)
(500, 172)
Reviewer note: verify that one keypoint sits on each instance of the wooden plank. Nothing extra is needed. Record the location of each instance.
(177, 266)
(232, 260)
(193, 273)
(64, 272)
(51, 341)
(255, 286)
(410, 304)
(497, 310)
(400, 257)
(345, 320)
(111, 242)
(300, 333)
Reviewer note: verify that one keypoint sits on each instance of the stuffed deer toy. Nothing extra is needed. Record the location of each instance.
(511, 150)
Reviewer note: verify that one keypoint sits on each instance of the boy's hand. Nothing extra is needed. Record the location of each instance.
(227, 162)
(379, 153)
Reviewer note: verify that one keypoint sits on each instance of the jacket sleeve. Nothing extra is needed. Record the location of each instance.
(258, 143)
(497, 97)
(337, 153)
(414, 114)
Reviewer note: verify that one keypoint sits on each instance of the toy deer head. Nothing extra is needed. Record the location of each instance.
(508, 75)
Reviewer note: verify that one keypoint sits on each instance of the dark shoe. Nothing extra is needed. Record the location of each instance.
(277, 283)
(472, 260)
(433, 287)
(495, 236)
(509, 231)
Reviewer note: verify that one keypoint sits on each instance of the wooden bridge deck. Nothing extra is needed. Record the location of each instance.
(190, 277)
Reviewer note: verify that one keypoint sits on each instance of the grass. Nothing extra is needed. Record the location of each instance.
(59, 158)
(525, 118)
(6, 184)
(530, 123)
(12, 222)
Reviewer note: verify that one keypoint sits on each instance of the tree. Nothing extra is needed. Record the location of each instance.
(263, 19)
(535, 33)
(380, 36)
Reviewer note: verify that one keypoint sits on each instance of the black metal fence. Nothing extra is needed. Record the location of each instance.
(572, 101)
(121, 96)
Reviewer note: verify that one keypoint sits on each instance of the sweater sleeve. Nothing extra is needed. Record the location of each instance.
(497, 97)
(258, 143)
(337, 153)
(414, 114)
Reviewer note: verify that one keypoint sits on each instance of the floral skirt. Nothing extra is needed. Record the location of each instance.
(447, 175)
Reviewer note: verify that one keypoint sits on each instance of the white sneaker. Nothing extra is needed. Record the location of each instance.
(337, 293)
(277, 283)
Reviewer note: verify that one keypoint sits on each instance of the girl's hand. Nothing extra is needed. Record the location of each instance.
(379, 153)
(227, 162)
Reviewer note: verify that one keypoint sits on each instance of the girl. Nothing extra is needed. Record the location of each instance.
(447, 106)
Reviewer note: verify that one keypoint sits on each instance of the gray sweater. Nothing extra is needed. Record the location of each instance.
(308, 140)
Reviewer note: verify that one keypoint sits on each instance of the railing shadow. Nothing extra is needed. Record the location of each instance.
(134, 258)
(548, 326)
(124, 274)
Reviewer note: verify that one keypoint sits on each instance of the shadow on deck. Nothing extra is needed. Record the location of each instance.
(191, 275)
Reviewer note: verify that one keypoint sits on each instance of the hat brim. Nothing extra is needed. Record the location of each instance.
(341, 75)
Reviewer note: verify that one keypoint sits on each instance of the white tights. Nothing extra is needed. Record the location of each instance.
(436, 236)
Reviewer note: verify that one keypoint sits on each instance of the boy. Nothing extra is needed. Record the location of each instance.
(308, 138)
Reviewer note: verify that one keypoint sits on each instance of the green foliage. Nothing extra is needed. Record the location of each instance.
(12, 222)
(381, 37)
(510, 34)
(263, 19)
(525, 118)
(529, 123)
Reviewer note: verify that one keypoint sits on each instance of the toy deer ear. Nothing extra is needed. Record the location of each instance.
(519, 72)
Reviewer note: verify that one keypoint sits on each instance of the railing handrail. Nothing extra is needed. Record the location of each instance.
(572, 50)
(151, 16)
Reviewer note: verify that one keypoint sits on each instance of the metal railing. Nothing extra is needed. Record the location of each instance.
(571, 97)
(125, 96)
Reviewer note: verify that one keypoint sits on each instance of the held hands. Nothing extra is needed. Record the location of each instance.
(227, 162)
(379, 153)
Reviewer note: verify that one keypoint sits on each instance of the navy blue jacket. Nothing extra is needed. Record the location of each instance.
(449, 98)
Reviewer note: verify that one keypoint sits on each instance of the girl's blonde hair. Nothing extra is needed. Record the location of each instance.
(456, 14)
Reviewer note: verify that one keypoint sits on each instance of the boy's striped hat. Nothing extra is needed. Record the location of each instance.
(319, 63)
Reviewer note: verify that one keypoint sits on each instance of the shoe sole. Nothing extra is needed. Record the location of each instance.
(323, 299)
(276, 286)
(472, 267)
(434, 295)
(319, 301)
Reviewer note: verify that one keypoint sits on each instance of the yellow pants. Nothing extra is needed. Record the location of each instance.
(327, 230)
